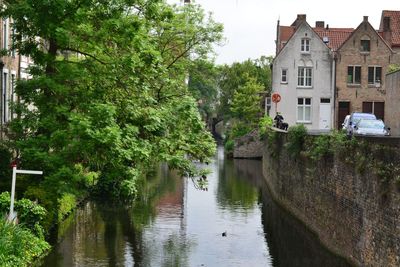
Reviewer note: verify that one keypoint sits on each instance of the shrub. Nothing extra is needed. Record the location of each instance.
(18, 246)
(321, 146)
(30, 214)
(65, 205)
(229, 145)
(264, 124)
(296, 138)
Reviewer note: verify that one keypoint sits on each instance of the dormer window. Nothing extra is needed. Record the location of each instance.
(365, 45)
(305, 45)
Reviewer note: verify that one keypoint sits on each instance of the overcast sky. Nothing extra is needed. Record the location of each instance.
(250, 25)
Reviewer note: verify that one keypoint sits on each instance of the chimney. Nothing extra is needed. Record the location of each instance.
(365, 19)
(327, 26)
(386, 24)
(301, 17)
(387, 32)
(319, 24)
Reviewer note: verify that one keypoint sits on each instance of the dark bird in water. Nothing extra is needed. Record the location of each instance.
(224, 233)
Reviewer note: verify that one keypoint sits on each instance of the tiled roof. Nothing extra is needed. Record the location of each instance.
(336, 36)
(285, 33)
(394, 25)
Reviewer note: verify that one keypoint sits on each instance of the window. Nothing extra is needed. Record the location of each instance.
(12, 96)
(4, 100)
(284, 76)
(374, 75)
(377, 108)
(365, 46)
(304, 109)
(304, 77)
(268, 105)
(305, 45)
(354, 74)
(13, 43)
(5, 33)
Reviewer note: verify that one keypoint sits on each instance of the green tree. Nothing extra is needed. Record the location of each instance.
(238, 74)
(108, 90)
(203, 83)
(246, 102)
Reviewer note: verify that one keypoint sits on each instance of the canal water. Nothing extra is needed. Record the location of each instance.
(230, 220)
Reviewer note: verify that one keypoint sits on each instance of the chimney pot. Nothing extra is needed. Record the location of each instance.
(365, 18)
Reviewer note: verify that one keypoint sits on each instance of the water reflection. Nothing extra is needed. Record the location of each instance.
(175, 224)
(290, 243)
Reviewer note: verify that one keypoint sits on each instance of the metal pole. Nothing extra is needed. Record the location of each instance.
(11, 214)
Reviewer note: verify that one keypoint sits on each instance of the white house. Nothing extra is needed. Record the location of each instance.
(303, 75)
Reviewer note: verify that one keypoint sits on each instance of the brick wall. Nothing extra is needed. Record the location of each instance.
(352, 211)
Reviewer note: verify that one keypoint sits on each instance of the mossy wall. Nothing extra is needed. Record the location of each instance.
(347, 192)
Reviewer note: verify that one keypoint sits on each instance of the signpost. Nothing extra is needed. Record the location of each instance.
(276, 98)
(12, 215)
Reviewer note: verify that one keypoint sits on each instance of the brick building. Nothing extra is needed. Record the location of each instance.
(361, 64)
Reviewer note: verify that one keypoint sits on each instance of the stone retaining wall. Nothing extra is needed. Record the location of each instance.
(354, 212)
(249, 146)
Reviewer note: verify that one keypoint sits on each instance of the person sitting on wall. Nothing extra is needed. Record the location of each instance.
(279, 122)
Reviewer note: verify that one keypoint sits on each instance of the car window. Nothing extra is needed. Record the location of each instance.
(371, 124)
(358, 116)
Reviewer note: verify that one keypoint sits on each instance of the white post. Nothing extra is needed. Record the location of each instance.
(11, 215)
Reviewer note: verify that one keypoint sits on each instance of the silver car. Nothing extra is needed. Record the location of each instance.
(371, 127)
(345, 123)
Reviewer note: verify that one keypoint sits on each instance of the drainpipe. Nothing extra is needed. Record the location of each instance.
(2, 103)
(335, 110)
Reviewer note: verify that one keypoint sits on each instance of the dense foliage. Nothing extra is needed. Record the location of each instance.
(107, 98)
(18, 246)
(203, 83)
(237, 75)
(30, 214)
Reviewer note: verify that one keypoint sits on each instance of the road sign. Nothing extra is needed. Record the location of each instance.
(276, 97)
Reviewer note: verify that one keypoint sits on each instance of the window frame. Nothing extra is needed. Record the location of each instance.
(284, 78)
(363, 48)
(304, 106)
(353, 82)
(5, 33)
(375, 68)
(304, 78)
(305, 45)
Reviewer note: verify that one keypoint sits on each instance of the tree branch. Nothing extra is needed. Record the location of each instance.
(85, 54)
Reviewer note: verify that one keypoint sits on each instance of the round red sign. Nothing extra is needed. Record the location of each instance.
(276, 97)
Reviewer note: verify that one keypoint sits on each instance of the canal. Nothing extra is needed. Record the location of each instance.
(228, 221)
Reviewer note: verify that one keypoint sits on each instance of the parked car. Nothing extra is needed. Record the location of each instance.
(371, 127)
(345, 123)
(355, 117)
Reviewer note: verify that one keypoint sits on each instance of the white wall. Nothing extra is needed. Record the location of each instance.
(290, 57)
